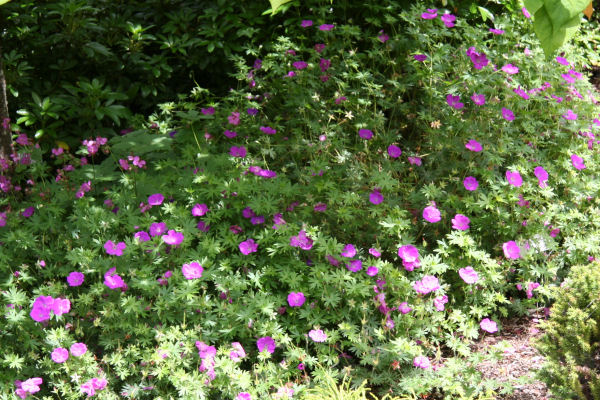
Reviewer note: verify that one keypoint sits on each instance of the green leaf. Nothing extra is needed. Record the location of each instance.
(485, 13)
(3, 2)
(275, 4)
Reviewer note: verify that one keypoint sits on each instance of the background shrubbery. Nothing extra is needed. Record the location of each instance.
(337, 135)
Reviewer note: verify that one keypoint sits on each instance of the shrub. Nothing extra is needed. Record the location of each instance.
(571, 339)
(316, 216)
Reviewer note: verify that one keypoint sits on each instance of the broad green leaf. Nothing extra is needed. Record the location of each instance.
(3, 2)
(485, 13)
(275, 4)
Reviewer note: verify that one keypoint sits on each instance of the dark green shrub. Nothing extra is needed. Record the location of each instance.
(571, 342)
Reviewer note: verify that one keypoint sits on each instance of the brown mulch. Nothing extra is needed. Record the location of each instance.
(520, 358)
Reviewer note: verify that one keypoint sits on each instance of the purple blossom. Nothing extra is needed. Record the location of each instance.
(374, 252)
(267, 129)
(365, 134)
(326, 27)
(354, 265)
(208, 110)
(478, 99)
(113, 280)
(114, 249)
(510, 69)
(474, 145)
(230, 134)
(156, 199)
(278, 221)
(75, 278)
(507, 114)
(394, 151)
(240, 151)
(439, 302)
(514, 178)
(203, 226)
(427, 284)
(302, 241)
(59, 355)
(306, 23)
(562, 60)
(319, 47)
(78, 349)
(521, 93)
(348, 251)
(324, 64)
(252, 111)
(383, 37)
(479, 60)
(157, 228)
(410, 257)
(577, 162)
(460, 222)
(372, 271)
(496, 31)
(248, 246)
(234, 118)
(430, 14)
(542, 175)
(300, 64)
(238, 352)
(422, 362)
(420, 57)
(267, 343)
(488, 325)
(468, 275)
(526, 13)
(570, 115)
(431, 214)
(511, 250)
(448, 20)
(320, 207)
(296, 299)
(199, 210)
(141, 236)
(404, 308)
(173, 238)
(415, 161)
(28, 212)
(454, 102)
(192, 270)
(376, 197)
(470, 183)
(317, 335)
(243, 396)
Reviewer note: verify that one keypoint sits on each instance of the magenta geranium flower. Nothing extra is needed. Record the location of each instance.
(542, 175)
(422, 362)
(192, 270)
(372, 270)
(479, 60)
(156, 199)
(236, 151)
(113, 280)
(525, 13)
(40, 311)
(354, 265)
(157, 228)
(431, 13)
(376, 197)
(248, 246)
(478, 99)
(326, 27)
(267, 343)
(448, 20)
(468, 275)
(78, 349)
(470, 183)
(302, 241)
(320, 207)
(141, 236)
(365, 134)
(415, 161)
(427, 284)
(28, 212)
(408, 253)
(199, 210)
(404, 308)
(514, 178)
(439, 302)
(75, 278)
(173, 238)
(374, 252)
(243, 396)
(349, 251)
(238, 352)
(507, 114)
(454, 102)
(562, 60)
(114, 249)
(296, 299)
(488, 325)
(460, 222)
(59, 355)
(577, 162)
(383, 37)
(570, 115)
(317, 335)
(394, 151)
(510, 69)
(496, 31)
(267, 129)
(208, 110)
(431, 214)
(230, 134)
(306, 23)
(234, 118)
(511, 250)
(420, 57)
(300, 64)
(474, 145)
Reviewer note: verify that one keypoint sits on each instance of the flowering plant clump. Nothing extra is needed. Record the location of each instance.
(360, 200)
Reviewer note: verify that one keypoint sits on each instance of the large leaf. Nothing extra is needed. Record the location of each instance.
(275, 4)
(555, 21)
(3, 2)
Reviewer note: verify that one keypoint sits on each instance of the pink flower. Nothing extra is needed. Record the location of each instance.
(75, 278)
(374, 252)
(507, 114)
(78, 349)
(460, 222)
(525, 13)
(420, 57)
(234, 118)
(317, 335)
(326, 27)
(113, 280)
(430, 14)
(267, 343)
(439, 302)
(383, 37)
(248, 246)
(173, 238)
(394, 151)
(267, 129)
(302, 241)
(422, 362)
(208, 110)
(199, 210)
(514, 178)
(511, 250)
(157, 228)
(230, 134)
(349, 251)
(496, 31)
(114, 249)
(59, 355)
(408, 253)
(243, 396)
(562, 60)
(470, 183)
(404, 308)
(141, 236)
(427, 284)
(577, 162)
(365, 134)
(448, 20)
(300, 64)
(415, 161)
(376, 197)
(454, 102)
(296, 299)
(372, 271)
(28, 212)
(320, 207)
(31, 386)
(488, 325)
(431, 214)
(510, 69)
(478, 99)
(156, 199)
(468, 275)
(570, 115)
(238, 352)
(354, 265)
(306, 23)
(474, 145)
(192, 270)
(542, 175)
(40, 311)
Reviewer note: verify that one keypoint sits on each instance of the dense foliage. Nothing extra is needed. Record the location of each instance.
(571, 337)
(360, 204)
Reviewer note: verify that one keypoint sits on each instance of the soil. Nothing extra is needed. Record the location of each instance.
(520, 360)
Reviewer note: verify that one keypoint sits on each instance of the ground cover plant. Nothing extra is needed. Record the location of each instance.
(358, 205)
